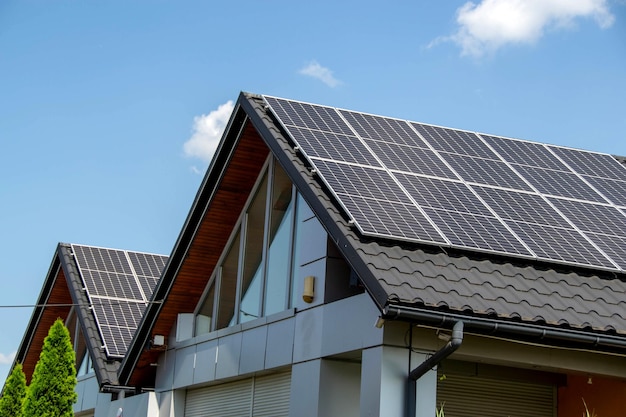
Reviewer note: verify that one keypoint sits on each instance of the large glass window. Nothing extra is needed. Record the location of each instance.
(302, 211)
(228, 284)
(204, 317)
(84, 365)
(280, 247)
(253, 265)
(254, 277)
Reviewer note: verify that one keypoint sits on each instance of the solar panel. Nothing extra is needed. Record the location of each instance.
(148, 268)
(384, 129)
(410, 159)
(559, 183)
(524, 153)
(146, 264)
(111, 284)
(527, 213)
(97, 259)
(604, 225)
(454, 141)
(333, 146)
(521, 207)
(613, 190)
(325, 119)
(376, 202)
(557, 244)
(442, 194)
(414, 182)
(467, 230)
(361, 181)
(395, 220)
(119, 285)
(485, 171)
(613, 246)
(595, 218)
(590, 163)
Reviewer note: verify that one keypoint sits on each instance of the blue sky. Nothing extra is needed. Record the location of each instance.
(109, 109)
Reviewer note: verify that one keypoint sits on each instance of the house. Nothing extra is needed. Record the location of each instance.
(100, 294)
(335, 263)
(339, 263)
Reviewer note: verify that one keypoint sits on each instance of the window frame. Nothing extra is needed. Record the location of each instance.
(241, 228)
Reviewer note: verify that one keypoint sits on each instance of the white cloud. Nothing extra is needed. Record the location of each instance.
(325, 75)
(196, 170)
(7, 359)
(492, 24)
(207, 132)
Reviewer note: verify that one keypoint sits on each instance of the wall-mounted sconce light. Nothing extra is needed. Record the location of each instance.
(158, 340)
(380, 322)
(309, 289)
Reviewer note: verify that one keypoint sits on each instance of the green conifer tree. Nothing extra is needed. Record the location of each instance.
(14, 392)
(51, 391)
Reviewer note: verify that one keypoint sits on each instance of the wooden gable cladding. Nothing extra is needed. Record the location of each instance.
(58, 305)
(215, 227)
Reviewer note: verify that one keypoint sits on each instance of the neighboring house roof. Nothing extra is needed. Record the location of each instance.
(567, 304)
(109, 289)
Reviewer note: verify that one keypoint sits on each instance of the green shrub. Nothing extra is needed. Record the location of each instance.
(51, 392)
(14, 393)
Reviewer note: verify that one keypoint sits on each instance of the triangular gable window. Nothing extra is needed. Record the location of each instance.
(86, 366)
(254, 276)
(84, 363)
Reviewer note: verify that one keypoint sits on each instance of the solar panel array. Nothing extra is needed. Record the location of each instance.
(409, 181)
(119, 285)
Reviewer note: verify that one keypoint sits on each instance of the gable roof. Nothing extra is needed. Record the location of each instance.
(567, 303)
(101, 285)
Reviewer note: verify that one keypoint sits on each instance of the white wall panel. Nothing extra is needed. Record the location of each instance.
(253, 350)
(228, 356)
(184, 367)
(279, 347)
(206, 354)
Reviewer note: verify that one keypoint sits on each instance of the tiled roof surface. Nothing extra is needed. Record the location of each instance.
(501, 289)
(470, 283)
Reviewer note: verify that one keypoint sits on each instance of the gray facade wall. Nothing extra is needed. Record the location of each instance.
(270, 343)
(87, 390)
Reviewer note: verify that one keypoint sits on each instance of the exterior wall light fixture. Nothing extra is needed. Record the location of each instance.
(158, 340)
(309, 289)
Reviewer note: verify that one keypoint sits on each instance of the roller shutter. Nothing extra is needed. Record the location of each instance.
(473, 396)
(231, 399)
(271, 395)
(257, 397)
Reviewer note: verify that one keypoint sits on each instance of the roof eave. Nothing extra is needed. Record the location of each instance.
(543, 334)
(205, 193)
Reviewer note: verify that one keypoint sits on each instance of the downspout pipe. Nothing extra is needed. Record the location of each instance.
(453, 344)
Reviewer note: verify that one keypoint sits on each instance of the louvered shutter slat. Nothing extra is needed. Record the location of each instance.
(271, 395)
(227, 400)
(465, 396)
(264, 396)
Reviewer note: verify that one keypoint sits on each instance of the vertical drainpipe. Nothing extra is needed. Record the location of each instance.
(453, 344)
